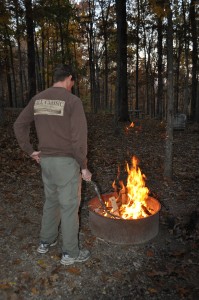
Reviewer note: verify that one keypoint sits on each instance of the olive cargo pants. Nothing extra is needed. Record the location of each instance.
(62, 187)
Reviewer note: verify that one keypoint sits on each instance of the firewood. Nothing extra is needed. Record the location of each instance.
(146, 210)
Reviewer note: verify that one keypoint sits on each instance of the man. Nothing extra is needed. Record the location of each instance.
(61, 128)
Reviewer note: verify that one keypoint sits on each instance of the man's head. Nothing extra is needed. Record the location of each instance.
(62, 71)
(64, 75)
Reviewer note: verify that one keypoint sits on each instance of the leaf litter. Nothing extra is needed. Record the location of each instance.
(164, 268)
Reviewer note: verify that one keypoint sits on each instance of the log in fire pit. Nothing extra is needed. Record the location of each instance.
(128, 215)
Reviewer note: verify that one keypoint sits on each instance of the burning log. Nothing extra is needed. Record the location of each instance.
(113, 204)
(146, 210)
(130, 199)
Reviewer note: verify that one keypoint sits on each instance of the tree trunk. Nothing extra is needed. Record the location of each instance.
(20, 103)
(105, 14)
(60, 26)
(186, 42)
(11, 76)
(43, 59)
(38, 67)
(91, 56)
(47, 64)
(170, 102)
(137, 56)
(122, 86)
(2, 119)
(148, 81)
(194, 99)
(9, 83)
(160, 67)
(178, 57)
(31, 49)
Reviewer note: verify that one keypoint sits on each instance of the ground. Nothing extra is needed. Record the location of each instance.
(166, 267)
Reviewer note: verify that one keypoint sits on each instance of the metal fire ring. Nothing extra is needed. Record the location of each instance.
(121, 231)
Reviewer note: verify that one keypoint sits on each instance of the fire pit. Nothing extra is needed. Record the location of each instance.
(128, 215)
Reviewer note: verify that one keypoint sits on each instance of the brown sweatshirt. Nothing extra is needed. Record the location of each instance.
(60, 124)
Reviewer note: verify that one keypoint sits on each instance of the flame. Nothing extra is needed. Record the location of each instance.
(130, 126)
(136, 193)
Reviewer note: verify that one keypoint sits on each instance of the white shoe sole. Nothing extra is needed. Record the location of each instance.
(45, 251)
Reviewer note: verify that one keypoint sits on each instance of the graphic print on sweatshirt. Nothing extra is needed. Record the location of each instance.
(49, 107)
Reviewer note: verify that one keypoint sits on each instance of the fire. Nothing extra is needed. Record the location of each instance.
(130, 202)
(130, 126)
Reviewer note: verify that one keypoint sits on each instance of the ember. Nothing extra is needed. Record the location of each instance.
(130, 201)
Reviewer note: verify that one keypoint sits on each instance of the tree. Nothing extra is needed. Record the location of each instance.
(137, 54)
(160, 69)
(186, 54)
(105, 8)
(19, 30)
(122, 86)
(30, 49)
(170, 101)
(91, 46)
(194, 94)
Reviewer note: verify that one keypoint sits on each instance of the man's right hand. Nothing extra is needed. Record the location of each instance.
(86, 175)
(36, 156)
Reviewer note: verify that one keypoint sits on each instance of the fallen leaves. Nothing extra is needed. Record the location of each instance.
(166, 267)
(6, 284)
(150, 253)
(42, 263)
(73, 270)
(152, 290)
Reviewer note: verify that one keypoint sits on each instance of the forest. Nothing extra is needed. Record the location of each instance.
(127, 54)
(136, 66)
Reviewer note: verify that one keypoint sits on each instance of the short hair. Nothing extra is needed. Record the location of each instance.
(62, 71)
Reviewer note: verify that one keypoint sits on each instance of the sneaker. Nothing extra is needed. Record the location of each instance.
(67, 260)
(83, 256)
(44, 247)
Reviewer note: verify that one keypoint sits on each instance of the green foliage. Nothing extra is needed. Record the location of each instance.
(159, 7)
